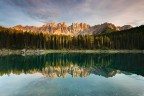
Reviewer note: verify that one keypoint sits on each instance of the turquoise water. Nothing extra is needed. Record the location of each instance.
(73, 74)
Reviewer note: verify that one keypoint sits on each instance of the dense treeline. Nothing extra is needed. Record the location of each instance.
(127, 39)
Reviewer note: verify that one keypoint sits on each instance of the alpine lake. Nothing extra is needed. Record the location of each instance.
(72, 74)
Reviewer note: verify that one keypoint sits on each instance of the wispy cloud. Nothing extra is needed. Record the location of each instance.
(119, 12)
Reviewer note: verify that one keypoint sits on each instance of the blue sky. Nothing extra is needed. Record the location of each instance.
(38, 12)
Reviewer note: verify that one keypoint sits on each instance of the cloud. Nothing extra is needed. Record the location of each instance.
(119, 12)
(45, 10)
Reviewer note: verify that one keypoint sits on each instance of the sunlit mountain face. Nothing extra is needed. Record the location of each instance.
(76, 64)
(74, 29)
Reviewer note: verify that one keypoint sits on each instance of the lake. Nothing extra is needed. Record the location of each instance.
(72, 74)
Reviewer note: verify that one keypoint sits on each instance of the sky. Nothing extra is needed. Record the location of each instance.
(39, 12)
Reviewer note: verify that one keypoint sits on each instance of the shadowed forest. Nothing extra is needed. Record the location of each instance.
(126, 39)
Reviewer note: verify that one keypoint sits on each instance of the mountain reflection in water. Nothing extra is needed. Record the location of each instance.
(75, 64)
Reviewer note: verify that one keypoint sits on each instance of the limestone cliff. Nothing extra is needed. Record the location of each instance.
(62, 28)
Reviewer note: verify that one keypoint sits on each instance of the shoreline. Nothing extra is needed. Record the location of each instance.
(40, 52)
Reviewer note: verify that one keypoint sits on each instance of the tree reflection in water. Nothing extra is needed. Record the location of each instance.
(76, 64)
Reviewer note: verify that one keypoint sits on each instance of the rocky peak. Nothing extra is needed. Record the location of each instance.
(104, 28)
(78, 27)
(51, 24)
(18, 27)
(125, 27)
(62, 24)
(108, 25)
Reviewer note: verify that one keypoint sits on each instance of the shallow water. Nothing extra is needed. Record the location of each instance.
(72, 74)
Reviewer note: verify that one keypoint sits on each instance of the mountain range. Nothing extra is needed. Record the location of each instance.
(62, 28)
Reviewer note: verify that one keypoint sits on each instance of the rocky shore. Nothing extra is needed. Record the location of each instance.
(38, 52)
(20, 52)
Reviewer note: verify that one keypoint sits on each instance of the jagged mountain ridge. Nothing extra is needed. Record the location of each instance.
(74, 29)
(104, 28)
(55, 28)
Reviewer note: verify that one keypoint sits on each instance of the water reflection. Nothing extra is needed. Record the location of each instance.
(75, 64)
